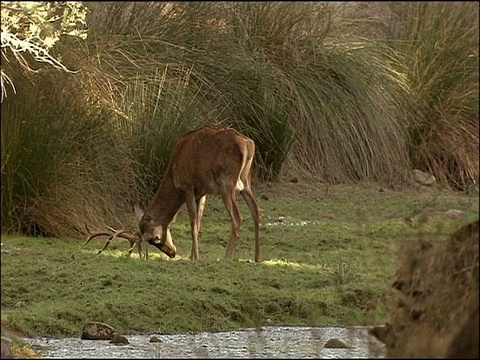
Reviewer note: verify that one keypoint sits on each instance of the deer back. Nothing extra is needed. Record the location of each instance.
(210, 160)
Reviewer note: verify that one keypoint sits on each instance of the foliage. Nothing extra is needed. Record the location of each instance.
(269, 70)
(438, 44)
(62, 163)
(326, 97)
(164, 108)
(33, 28)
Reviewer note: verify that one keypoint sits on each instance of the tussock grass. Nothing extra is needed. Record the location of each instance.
(324, 99)
(438, 43)
(271, 70)
(160, 110)
(62, 164)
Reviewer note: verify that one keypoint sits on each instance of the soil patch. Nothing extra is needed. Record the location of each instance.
(9, 331)
(436, 310)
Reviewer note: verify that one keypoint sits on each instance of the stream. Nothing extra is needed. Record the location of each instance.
(267, 342)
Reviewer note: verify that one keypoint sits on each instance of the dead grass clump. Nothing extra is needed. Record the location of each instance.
(437, 283)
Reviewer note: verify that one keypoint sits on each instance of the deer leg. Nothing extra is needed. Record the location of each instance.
(131, 249)
(139, 248)
(192, 212)
(232, 209)
(200, 209)
(255, 210)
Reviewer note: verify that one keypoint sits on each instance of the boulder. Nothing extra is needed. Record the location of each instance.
(335, 344)
(454, 213)
(97, 331)
(155, 339)
(423, 177)
(119, 339)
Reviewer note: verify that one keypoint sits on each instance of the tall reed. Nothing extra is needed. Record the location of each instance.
(62, 164)
(321, 100)
(249, 63)
(438, 43)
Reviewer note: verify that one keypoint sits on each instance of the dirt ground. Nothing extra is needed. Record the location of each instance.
(437, 288)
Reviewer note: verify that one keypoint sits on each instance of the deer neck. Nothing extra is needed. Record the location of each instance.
(166, 202)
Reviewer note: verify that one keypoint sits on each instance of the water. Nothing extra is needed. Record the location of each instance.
(268, 342)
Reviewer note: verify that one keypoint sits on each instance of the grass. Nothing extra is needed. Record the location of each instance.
(439, 46)
(329, 258)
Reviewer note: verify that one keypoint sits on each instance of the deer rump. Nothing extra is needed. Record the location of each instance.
(211, 160)
(208, 161)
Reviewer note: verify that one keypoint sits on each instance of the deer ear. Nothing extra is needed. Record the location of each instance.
(138, 211)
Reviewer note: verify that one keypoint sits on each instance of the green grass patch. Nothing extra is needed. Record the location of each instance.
(329, 258)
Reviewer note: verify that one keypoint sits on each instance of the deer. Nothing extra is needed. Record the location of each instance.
(133, 238)
(212, 160)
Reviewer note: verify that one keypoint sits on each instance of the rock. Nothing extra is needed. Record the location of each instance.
(155, 339)
(97, 331)
(423, 178)
(20, 304)
(454, 213)
(119, 339)
(335, 344)
(6, 353)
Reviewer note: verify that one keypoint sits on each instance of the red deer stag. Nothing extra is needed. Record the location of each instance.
(206, 161)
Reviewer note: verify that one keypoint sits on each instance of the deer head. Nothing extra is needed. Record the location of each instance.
(154, 233)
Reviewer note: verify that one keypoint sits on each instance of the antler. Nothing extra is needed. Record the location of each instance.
(133, 237)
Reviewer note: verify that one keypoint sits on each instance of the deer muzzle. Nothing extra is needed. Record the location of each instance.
(169, 250)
